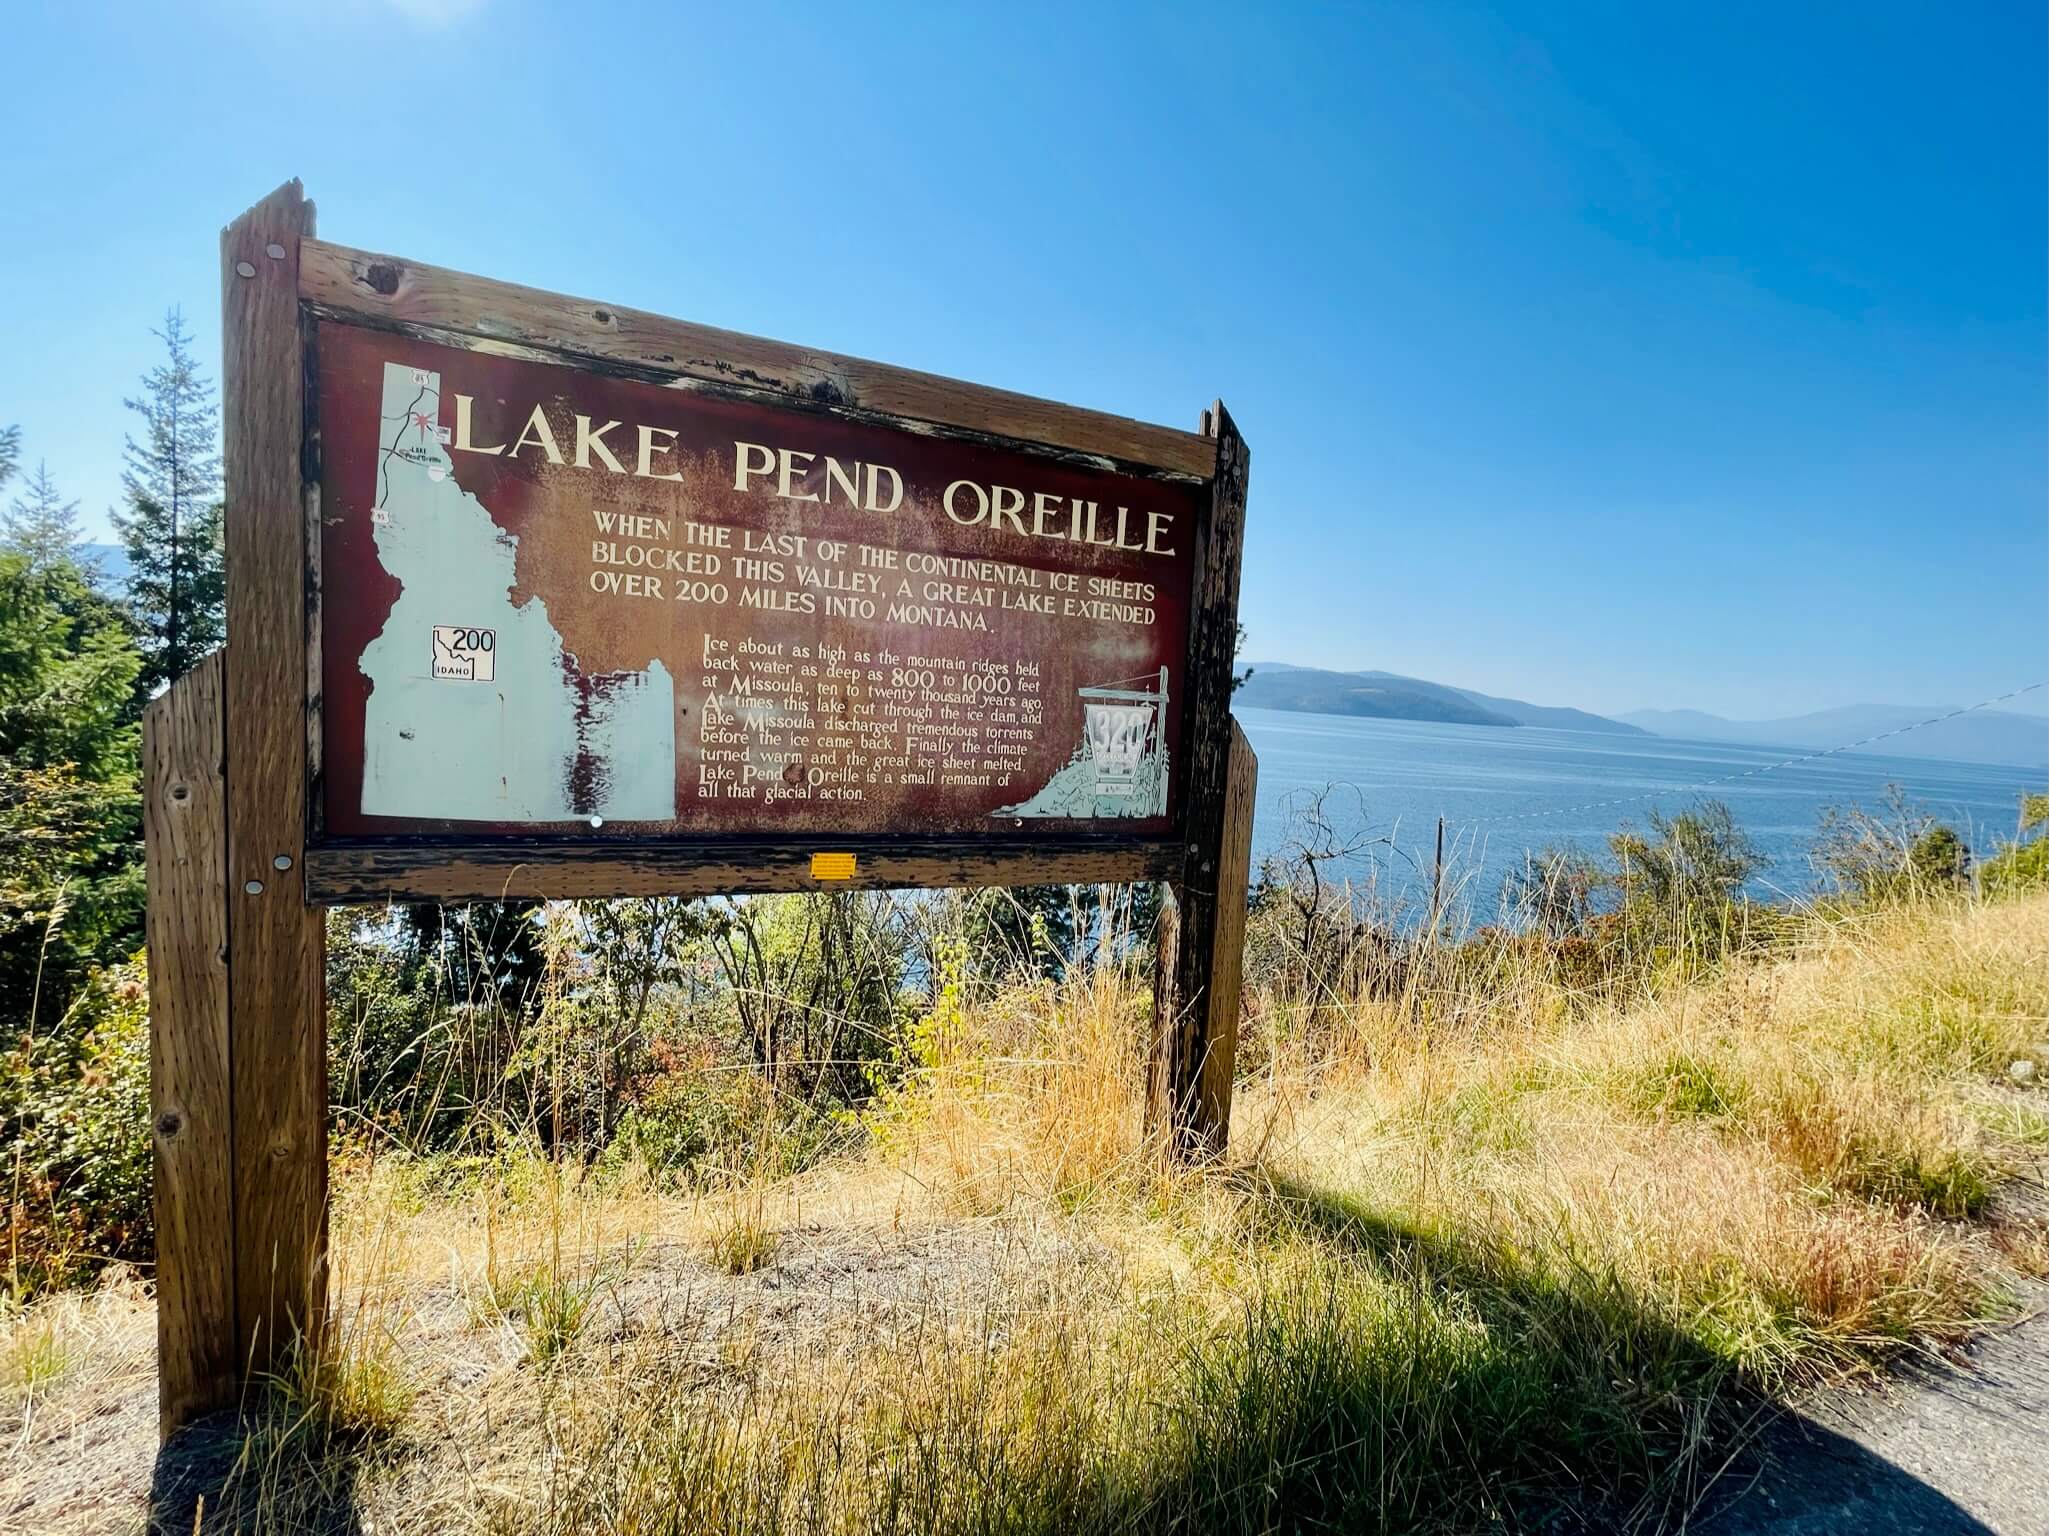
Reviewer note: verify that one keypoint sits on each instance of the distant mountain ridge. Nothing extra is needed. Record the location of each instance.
(2004, 738)
(1995, 736)
(1390, 696)
(1556, 717)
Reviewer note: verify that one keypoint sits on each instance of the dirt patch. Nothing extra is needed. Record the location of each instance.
(81, 1452)
(89, 1424)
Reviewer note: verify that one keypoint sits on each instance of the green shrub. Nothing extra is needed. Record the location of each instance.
(74, 1127)
(1894, 854)
(1681, 883)
(428, 1011)
(70, 816)
(693, 1121)
(2022, 865)
(685, 1118)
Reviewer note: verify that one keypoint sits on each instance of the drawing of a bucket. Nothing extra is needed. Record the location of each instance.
(1116, 735)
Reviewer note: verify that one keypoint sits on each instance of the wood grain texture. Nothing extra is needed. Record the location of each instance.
(276, 1001)
(387, 289)
(1217, 1068)
(184, 839)
(1161, 1119)
(562, 870)
(1190, 1133)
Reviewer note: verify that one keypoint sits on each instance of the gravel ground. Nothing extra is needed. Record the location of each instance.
(1960, 1448)
(81, 1458)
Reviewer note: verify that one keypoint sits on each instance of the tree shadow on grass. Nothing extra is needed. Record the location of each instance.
(1523, 1397)
(251, 1472)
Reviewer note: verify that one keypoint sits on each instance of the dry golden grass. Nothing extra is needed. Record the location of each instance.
(1548, 1237)
(1769, 1156)
(75, 1340)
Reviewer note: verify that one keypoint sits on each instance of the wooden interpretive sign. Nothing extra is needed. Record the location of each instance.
(592, 627)
(538, 597)
(559, 601)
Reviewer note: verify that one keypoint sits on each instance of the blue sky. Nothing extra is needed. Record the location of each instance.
(1607, 355)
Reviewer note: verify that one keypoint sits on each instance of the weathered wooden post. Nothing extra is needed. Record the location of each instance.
(238, 1079)
(185, 848)
(530, 596)
(1198, 985)
(1202, 939)
(277, 1001)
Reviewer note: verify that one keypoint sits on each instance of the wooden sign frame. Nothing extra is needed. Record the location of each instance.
(238, 865)
(471, 313)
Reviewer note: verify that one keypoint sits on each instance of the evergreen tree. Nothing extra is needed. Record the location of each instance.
(10, 452)
(70, 816)
(171, 526)
(42, 526)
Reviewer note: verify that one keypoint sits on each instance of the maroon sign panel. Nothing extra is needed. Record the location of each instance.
(555, 600)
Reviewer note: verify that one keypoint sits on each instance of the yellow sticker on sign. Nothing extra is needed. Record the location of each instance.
(832, 866)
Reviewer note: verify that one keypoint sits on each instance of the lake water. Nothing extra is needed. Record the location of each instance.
(1503, 792)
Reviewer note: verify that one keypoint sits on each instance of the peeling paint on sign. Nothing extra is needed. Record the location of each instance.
(556, 599)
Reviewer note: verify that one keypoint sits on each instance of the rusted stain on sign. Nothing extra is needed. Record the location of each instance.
(558, 601)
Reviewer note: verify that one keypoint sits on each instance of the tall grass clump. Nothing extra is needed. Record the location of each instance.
(842, 1214)
(1335, 1387)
